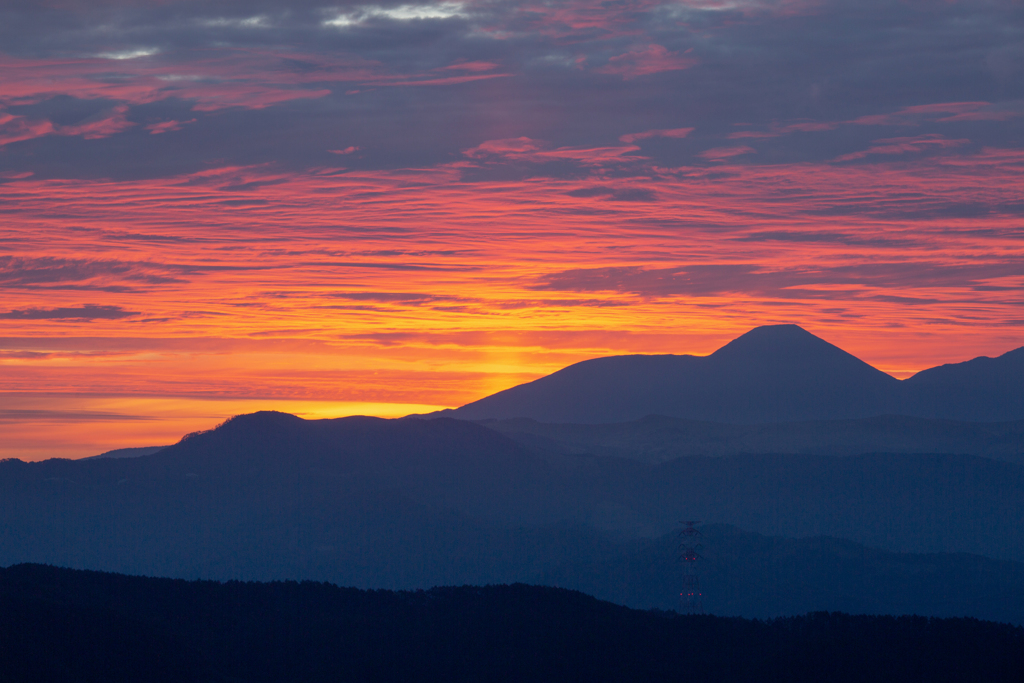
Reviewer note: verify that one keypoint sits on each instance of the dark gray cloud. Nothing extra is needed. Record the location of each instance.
(108, 275)
(15, 415)
(83, 312)
(711, 280)
(821, 237)
(132, 89)
(628, 194)
(105, 275)
(916, 208)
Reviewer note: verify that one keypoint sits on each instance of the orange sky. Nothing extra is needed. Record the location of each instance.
(389, 208)
(320, 293)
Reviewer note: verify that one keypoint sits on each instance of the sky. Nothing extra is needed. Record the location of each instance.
(209, 208)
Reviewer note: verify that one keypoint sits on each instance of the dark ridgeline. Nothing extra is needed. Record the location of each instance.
(363, 501)
(416, 503)
(657, 438)
(128, 452)
(984, 389)
(776, 373)
(58, 624)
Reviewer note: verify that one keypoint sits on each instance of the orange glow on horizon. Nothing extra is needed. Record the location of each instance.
(327, 293)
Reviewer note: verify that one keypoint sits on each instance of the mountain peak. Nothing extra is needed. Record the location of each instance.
(773, 373)
(773, 341)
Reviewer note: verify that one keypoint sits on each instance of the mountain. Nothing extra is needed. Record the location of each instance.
(58, 624)
(769, 374)
(363, 501)
(983, 389)
(775, 373)
(657, 438)
(415, 503)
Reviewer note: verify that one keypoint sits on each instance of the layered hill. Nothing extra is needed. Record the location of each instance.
(657, 438)
(753, 575)
(774, 373)
(415, 503)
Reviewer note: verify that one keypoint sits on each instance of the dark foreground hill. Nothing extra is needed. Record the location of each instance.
(85, 626)
(775, 373)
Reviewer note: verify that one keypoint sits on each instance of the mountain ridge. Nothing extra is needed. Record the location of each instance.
(774, 373)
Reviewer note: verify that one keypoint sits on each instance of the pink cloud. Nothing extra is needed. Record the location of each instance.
(568, 18)
(651, 59)
(808, 127)
(957, 111)
(752, 134)
(536, 151)
(166, 126)
(18, 128)
(508, 147)
(658, 133)
(777, 131)
(472, 66)
(347, 150)
(724, 153)
(905, 146)
(944, 108)
(983, 116)
(102, 128)
(449, 80)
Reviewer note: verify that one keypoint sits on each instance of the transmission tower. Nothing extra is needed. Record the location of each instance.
(690, 600)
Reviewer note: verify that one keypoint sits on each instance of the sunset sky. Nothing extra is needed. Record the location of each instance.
(213, 207)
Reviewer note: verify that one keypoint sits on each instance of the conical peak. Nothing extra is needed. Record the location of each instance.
(788, 348)
(773, 340)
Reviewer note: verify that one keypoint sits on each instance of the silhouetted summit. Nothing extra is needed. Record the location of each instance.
(776, 373)
(790, 348)
(770, 374)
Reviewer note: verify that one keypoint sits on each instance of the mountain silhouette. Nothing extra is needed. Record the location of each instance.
(414, 503)
(657, 438)
(128, 452)
(776, 373)
(984, 389)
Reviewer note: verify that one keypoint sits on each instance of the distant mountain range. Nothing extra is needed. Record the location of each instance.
(657, 438)
(775, 373)
(833, 486)
(414, 503)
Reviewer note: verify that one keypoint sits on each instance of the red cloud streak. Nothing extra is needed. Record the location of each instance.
(419, 288)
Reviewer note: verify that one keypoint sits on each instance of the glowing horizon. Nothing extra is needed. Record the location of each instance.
(388, 207)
